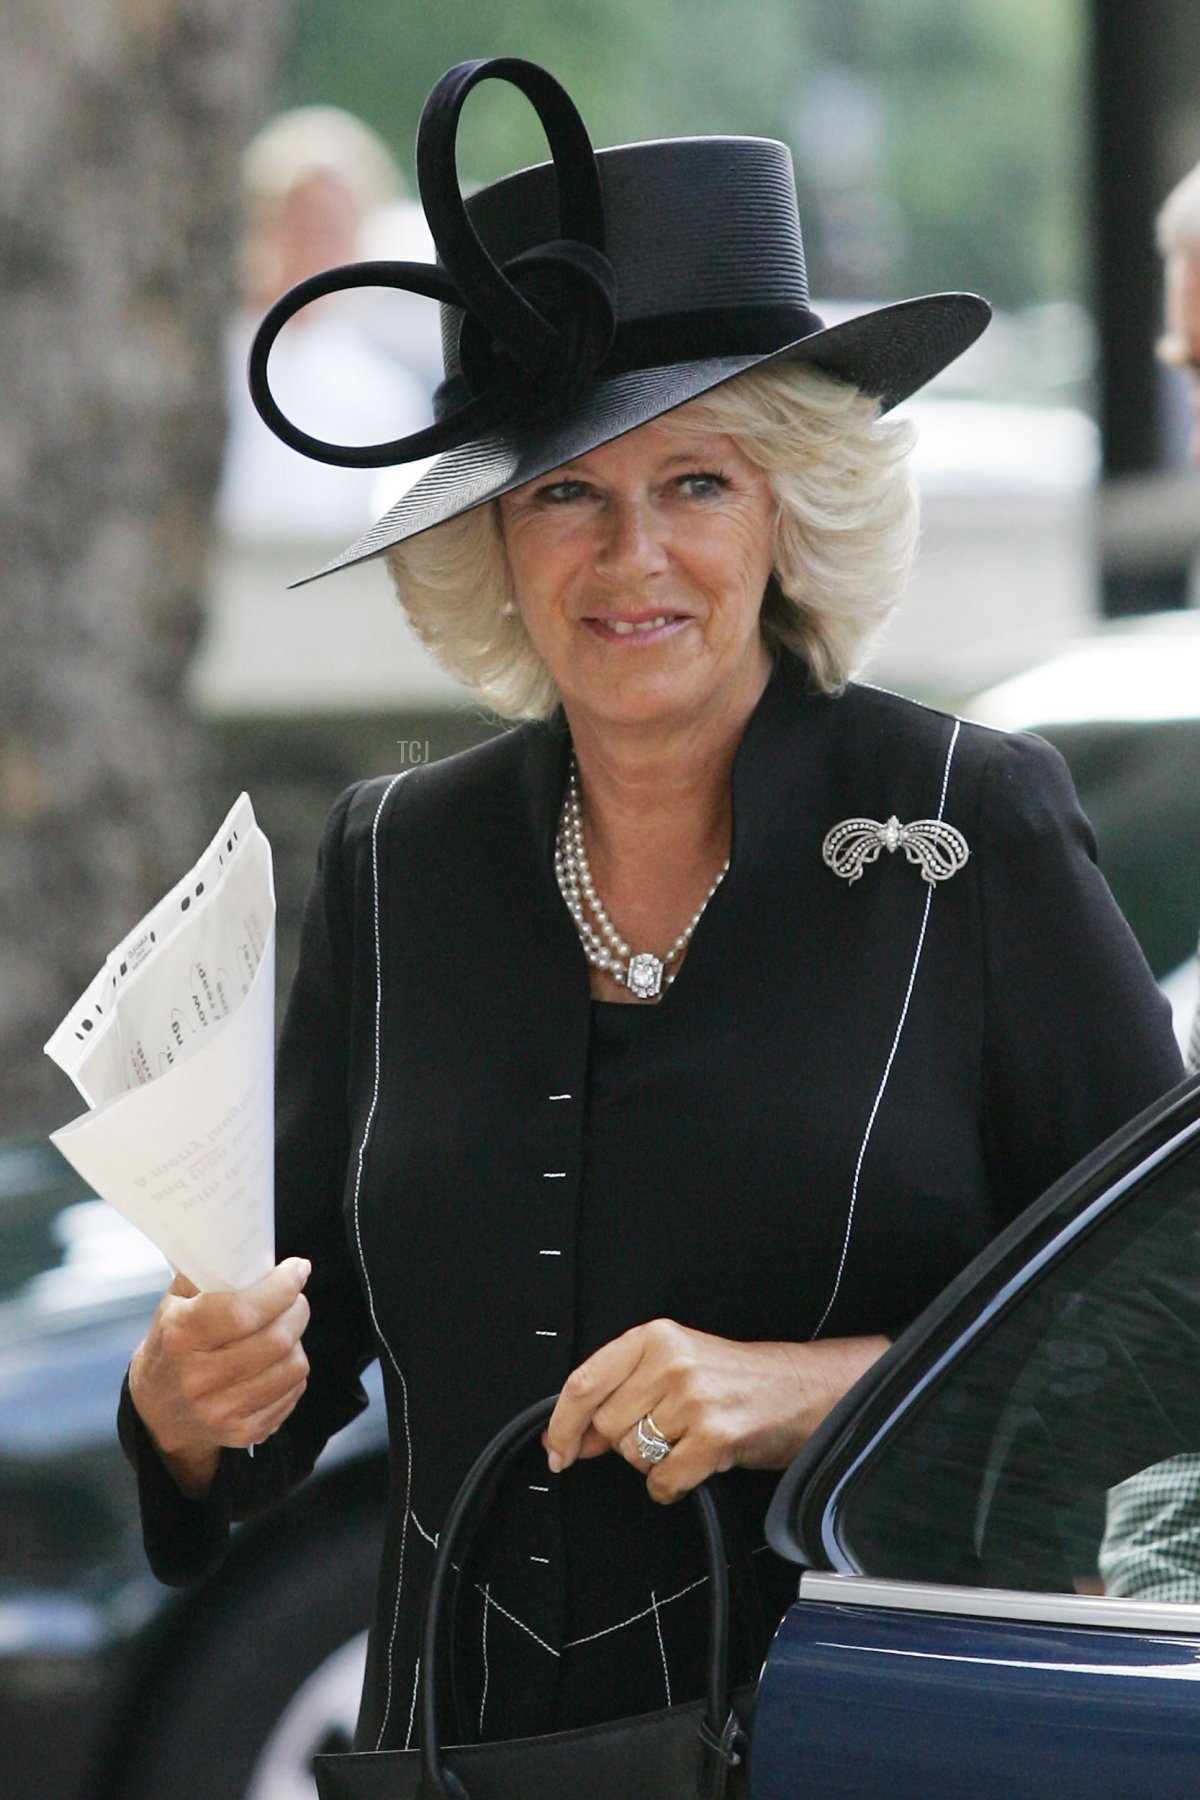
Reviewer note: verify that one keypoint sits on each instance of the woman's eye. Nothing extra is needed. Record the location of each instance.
(557, 493)
(703, 483)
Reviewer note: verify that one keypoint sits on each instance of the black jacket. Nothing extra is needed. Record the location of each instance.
(849, 1089)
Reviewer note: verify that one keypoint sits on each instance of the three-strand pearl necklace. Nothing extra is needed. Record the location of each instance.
(643, 973)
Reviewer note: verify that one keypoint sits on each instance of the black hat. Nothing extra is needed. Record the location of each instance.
(595, 292)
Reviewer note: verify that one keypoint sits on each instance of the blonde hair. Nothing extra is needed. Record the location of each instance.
(845, 530)
(1178, 225)
(319, 140)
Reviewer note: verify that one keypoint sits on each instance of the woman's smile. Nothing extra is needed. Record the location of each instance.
(638, 628)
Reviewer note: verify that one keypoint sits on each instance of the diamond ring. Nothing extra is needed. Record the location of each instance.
(652, 1446)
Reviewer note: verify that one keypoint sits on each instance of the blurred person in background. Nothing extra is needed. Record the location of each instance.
(314, 181)
(1178, 236)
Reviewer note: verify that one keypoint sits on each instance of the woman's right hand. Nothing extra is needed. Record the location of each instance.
(220, 1369)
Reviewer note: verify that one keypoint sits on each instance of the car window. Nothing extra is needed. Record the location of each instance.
(1060, 1449)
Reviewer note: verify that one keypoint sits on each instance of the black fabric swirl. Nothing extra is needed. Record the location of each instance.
(535, 329)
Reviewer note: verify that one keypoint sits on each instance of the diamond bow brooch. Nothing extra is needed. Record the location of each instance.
(936, 848)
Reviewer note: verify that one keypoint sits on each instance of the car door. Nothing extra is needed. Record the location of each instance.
(1000, 1525)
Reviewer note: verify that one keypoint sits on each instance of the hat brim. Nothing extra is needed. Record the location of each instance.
(888, 354)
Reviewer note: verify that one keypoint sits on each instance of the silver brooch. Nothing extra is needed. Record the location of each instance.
(939, 850)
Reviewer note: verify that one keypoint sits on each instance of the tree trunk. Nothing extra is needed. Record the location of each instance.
(120, 132)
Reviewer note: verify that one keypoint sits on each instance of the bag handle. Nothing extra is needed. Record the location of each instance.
(721, 1736)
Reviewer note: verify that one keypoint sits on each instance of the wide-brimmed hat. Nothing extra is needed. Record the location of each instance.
(593, 293)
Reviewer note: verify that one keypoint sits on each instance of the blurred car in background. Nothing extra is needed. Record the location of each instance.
(113, 1687)
(1123, 706)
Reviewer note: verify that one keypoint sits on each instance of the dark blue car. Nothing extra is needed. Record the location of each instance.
(1001, 1521)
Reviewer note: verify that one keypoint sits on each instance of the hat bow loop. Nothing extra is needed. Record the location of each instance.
(534, 330)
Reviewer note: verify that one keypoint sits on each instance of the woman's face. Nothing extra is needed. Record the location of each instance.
(639, 571)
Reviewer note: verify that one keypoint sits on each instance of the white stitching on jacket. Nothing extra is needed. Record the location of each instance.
(912, 979)
(358, 1175)
(662, 1648)
(635, 1618)
(412, 1710)
(428, 1539)
(513, 1620)
(483, 1696)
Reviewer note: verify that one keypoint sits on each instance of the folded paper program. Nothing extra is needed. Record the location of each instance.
(172, 1046)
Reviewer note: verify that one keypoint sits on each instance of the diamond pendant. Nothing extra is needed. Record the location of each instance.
(644, 975)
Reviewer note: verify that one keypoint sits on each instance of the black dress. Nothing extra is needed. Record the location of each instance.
(846, 1093)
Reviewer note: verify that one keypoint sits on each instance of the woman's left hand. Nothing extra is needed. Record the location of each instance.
(719, 1403)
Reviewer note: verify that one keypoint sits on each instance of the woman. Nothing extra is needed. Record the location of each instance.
(673, 1050)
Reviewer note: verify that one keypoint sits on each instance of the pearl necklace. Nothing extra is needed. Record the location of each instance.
(643, 973)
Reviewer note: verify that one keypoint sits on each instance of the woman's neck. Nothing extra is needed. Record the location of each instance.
(657, 802)
(635, 798)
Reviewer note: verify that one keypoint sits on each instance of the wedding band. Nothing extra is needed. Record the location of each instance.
(652, 1446)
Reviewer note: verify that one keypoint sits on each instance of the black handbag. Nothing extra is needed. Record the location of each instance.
(692, 1752)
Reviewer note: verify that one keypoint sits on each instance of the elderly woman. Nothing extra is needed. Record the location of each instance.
(671, 1051)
